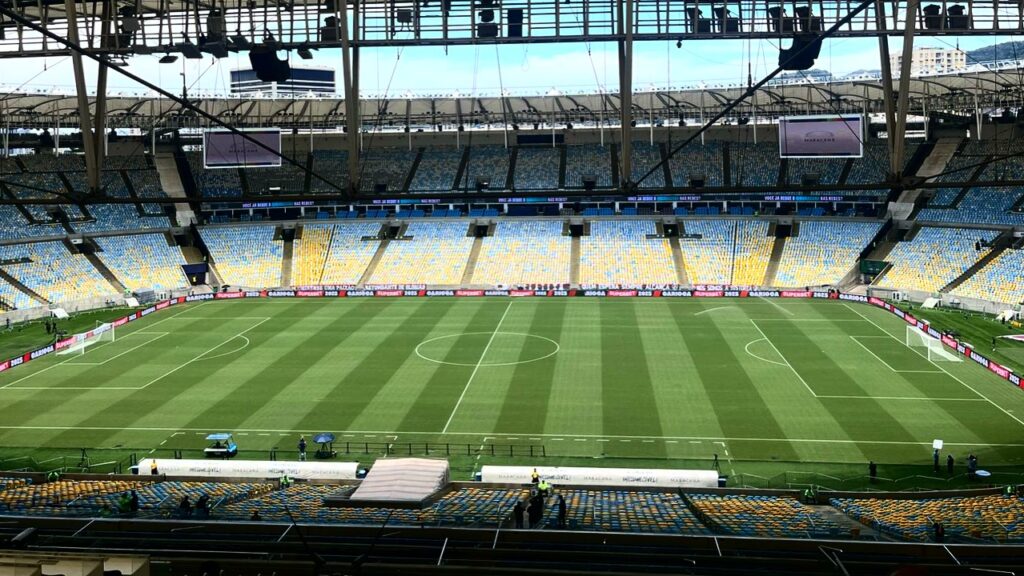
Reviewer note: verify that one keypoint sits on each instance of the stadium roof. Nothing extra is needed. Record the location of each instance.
(960, 92)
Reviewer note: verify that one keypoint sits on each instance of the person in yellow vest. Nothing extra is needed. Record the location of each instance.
(543, 488)
(152, 468)
(535, 477)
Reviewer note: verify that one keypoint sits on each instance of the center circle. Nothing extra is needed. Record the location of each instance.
(487, 349)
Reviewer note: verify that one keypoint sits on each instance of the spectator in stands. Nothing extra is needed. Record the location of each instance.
(256, 515)
(535, 511)
(124, 504)
(561, 511)
(949, 464)
(517, 513)
(185, 507)
(302, 448)
(873, 471)
(203, 506)
(133, 503)
(939, 530)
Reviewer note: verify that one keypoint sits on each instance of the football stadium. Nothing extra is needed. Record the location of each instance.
(740, 294)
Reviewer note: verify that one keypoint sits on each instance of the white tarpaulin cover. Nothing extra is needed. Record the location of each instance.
(252, 469)
(402, 479)
(602, 476)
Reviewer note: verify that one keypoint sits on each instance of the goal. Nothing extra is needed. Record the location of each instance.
(931, 348)
(103, 332)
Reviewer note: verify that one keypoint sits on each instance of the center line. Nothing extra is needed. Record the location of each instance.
(477, 367)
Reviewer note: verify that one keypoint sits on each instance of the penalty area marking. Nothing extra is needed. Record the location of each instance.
(870, 351)
(492, 334)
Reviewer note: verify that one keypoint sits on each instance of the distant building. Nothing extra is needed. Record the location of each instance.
(932, 61)
(305, 80)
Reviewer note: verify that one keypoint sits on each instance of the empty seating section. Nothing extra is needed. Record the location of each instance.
(388, 166)
(332, 165)
(284, 179)
(54, 273)
(980, 206)
(696, 160)
(537, 168)
(753, 250)
(131, 162)
(524, 252)
(935, 257)
(585, 161)
(708, 260)
(55, 497)
(143, 261)
(627, 511)
(619, 252)
(215, 182)
(822, 252)
(874, 165)
(310, 254)
(762, 516)
(245, 255)
(14, 298)
(53, 162)
(437, 170)
(827, 170)
(991, 517)
(1001, 280)
(437, 253)
(754, 164)
(147, 185)
(489, 163)
(349, 254)
(112, 217)
(464, 506)
(645, 157)
(36, 186)
(14, 225)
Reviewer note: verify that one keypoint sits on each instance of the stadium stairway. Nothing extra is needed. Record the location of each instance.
(368, 273)
(105, 272)
(286, 262)
(474, 253)
(170, 181)
(999, 245)
(17, 284)
(774, 259)
(677, 260)
(574, 259)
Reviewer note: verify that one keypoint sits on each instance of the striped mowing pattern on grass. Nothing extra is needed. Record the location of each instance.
(796, 381)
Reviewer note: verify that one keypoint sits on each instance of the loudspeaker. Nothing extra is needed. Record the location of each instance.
(932, 17)
(515, 22)
(267, 65)
(788, 59)
(697, 180)
(810, 179)
(589, 182)
(956, 19)
(671, 230)
(329, 31)
(487, 30)
(482, 183)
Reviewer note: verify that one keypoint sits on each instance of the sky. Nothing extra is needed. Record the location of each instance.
(489, 69)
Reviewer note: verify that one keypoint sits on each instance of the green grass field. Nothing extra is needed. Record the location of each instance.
(776, 388)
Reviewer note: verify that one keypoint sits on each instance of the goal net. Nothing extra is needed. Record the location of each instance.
(103, 332)
(931, 348)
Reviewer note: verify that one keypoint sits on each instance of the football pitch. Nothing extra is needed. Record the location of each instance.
(768, 385)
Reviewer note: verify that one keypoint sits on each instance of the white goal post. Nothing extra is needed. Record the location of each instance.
(103, 332)
(931, 348)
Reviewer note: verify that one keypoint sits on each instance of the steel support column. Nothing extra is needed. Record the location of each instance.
(888, 95)
(350, 84)
(625, 8)
(899, 146)
(84, 115)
